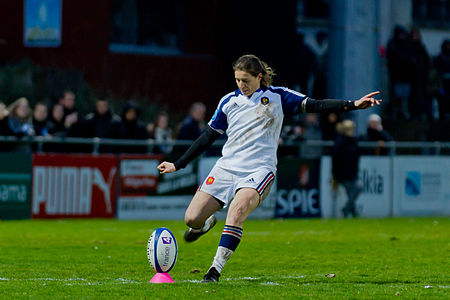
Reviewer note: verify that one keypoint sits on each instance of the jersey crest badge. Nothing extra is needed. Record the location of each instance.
(210, 180)
(265, 100)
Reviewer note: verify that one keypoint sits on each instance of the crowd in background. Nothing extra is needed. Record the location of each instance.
(419, 84)
(419, 89)
(62, 119)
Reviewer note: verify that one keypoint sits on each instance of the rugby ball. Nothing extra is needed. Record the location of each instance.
(162, 250)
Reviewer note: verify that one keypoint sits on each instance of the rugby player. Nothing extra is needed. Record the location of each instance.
(252, 117)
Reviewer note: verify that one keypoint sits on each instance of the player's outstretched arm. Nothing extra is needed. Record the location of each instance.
(166, 167)
(368, 101)
(309, 105)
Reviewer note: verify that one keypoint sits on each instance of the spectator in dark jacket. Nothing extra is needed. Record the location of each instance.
(400, 65)
(442, 64)
(376, 133)
(420, 102)
(130, 127)
(40, 114)
(71, 118)
(5, 130)
(55, 123)
(345, 165)
(193, 124)
(100, 123)
(56, 128)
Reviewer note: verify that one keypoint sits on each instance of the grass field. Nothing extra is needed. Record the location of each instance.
(277, 259)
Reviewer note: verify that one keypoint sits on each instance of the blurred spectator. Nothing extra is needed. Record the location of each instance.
(130, 127)
(399, 57)
(71, 117)
(193, 124)
(320, 48)
(290, 134)
(162, 133)
(99, 123)
(312, 131)
(345, 163)
(376, 133)
(306, 61)
(20, 123)
(40, 114)
(329, 123)
(55, 123)
(420, 104)
(442, 63)
(67, 100)
(20, 117)
(5, 130)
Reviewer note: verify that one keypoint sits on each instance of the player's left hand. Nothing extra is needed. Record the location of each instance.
(368, 101)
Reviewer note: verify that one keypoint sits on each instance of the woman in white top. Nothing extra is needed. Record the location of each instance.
(252, 117)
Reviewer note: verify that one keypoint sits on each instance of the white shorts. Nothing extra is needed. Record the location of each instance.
(223, 184)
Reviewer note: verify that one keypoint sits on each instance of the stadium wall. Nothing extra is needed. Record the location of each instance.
(85, 46)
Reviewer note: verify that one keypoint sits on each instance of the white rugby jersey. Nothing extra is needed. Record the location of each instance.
(253, 126)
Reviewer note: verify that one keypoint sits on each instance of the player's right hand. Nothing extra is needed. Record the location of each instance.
(166, 167)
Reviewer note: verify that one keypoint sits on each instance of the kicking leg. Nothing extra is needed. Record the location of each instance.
(244, 202)
(199, 215)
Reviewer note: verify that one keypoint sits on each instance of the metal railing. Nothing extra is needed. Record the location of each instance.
(434, 147)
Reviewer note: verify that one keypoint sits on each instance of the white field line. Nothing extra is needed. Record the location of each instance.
(295, 276)
(124, 281)
(81, 281)
(269, 283)
(54, 279)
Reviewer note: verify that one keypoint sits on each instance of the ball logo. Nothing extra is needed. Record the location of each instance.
(210, 180)
(166, 240)
(265, 100)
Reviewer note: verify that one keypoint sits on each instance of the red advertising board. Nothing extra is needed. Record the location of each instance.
(139, 174)
(74, 185)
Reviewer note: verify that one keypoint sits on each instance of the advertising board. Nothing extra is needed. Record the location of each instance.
(298, 194)
(15, 186)
(421, 185)
(139, 174)
(73, 185)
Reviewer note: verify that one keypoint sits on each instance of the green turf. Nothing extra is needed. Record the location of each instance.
(281, 259)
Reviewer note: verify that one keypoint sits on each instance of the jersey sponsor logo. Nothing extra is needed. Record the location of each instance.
(251, 180)
(265, 100)
(210, 180)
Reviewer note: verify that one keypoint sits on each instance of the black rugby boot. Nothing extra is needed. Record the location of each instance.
(192, 234)
(211, 276)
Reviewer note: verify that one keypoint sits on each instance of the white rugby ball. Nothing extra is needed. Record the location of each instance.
(162, 250)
